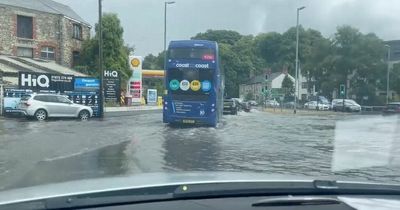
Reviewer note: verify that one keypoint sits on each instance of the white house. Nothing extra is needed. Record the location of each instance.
(273, 82)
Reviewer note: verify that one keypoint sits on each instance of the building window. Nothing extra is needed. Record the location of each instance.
(76, 58)
(47, 53)
(304, 85)
(24, 27)
(77, 31)
(25, 52)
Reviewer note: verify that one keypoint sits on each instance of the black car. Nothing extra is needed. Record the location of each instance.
(392, 108)
(230, 106)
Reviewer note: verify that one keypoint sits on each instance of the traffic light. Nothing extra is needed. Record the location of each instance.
(342, 90)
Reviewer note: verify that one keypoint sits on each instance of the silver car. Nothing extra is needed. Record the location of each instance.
(314, 105)
(42, 106)
(349, 105)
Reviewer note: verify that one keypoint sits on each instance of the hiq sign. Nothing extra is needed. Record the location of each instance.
(29, 80)
(112, 74)
(42, 81)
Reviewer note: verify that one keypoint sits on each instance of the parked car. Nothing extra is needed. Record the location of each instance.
(246, 106)
(230, 106)
(349, 105)
(238, 101)
(272, 103)
(392, 108)
(253, 103)
(43, 106)
(316, 105)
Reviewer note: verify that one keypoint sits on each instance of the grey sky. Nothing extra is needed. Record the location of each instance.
(143, 19)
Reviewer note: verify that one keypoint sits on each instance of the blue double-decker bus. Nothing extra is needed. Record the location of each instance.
(194, 83)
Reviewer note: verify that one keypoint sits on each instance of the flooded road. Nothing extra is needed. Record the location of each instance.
(34, 153)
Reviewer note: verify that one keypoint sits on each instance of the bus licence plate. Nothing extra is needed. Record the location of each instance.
(188, 121)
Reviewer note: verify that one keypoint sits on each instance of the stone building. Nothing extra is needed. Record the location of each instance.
(42, 29)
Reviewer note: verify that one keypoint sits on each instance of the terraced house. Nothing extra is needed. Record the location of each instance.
(41, 29)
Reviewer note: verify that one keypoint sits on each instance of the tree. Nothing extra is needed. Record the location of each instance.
(239, 59)
(348, 57)
(288, 86)
(249, 96)
(150, 62)
(220, 36)
(115, 53)
(154, 62)
(395, 78)
(269, 46)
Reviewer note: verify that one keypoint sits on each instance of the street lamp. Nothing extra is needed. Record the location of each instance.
(388, 74)
(297, 60)
(101, 61)
(165, 32)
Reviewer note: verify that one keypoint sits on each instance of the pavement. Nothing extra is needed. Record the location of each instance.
(316, 112)
(130, 110)
(301, 111)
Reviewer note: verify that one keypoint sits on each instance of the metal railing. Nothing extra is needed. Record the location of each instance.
(1, 99)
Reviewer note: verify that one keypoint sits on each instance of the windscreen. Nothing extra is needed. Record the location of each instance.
(192, 53)
(25, 97)
(160, 81)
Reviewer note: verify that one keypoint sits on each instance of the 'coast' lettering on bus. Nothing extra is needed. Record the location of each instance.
(201, 66)
(185, 65)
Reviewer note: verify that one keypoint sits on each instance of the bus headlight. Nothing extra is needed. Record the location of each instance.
(212, 110)
(212, 105)
(165, 108)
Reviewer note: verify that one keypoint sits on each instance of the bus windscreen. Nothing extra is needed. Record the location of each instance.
(192, 53)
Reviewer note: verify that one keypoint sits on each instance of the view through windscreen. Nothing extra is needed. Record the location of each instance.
(290, 89)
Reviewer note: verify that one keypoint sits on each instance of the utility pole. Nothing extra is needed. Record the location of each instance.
(101, 61)
(297, 61)
(388, 75)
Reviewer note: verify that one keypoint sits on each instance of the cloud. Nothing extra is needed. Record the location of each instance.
(143, 20)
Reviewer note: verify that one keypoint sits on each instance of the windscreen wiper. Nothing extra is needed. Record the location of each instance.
(301, 201)
(296, 201)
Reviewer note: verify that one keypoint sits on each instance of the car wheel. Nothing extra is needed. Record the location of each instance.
(84, 115)
(334, 109)
(41, 114)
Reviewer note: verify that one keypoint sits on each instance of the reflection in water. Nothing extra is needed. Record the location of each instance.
(368, 148)
(191, 149)
(106, 161)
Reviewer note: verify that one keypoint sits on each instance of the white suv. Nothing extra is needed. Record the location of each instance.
(42, 106)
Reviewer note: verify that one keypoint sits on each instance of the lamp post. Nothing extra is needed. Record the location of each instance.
(387, 74)
(297, 60)
(101, 61)
(165, 32)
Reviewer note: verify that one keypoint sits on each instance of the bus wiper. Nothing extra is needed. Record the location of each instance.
(296, 201)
